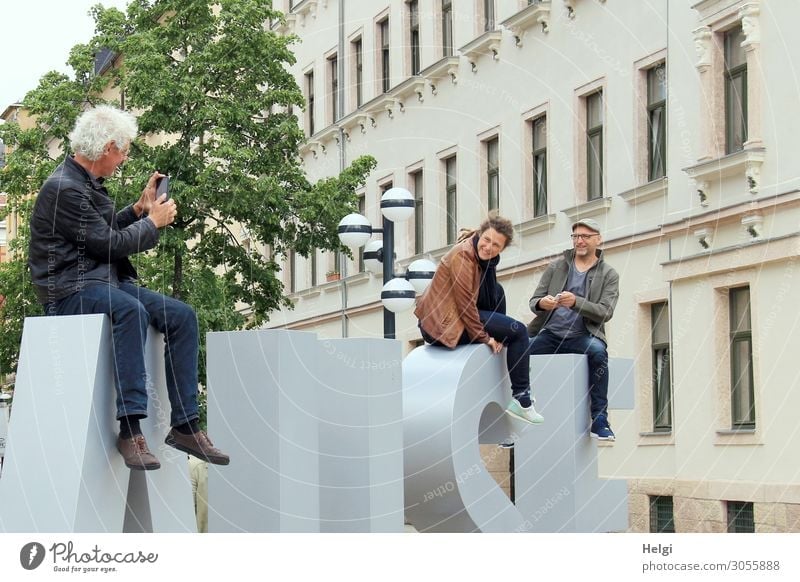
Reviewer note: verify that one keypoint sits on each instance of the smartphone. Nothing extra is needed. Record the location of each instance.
(162, 186)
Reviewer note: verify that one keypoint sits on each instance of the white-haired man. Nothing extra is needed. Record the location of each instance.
(78, 257)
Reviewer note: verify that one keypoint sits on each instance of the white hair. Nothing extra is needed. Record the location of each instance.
(97, 127)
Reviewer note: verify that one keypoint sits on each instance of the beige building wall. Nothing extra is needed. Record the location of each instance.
(714, 221)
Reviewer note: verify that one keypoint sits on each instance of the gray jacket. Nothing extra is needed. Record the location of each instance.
(596, 309)
(77, 237)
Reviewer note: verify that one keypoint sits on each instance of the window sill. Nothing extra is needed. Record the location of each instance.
(304, 8)
(447, 66)
(737, 436)
(385, 102)
(538, 224)
(745, 164)
(728, 431)
(649, 191)
(488, 42)
(652, 439)
(588, 209)
(411, 87)
(309, 293)
(285, 28)
(527, 18)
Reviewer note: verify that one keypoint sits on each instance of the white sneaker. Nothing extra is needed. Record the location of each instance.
(529, 414)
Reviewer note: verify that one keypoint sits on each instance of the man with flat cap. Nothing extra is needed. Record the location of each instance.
(575, 297)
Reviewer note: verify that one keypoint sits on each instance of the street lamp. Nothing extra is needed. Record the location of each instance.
(398, 292)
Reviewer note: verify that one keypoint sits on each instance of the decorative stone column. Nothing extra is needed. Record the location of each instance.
(749, 14)
(703, 46)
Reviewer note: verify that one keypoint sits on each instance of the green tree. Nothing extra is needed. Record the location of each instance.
(212, 82)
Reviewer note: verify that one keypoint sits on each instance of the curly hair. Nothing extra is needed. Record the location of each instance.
(97, 127)
(502, 225)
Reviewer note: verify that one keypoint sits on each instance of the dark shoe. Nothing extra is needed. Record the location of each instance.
(198, 445)
(136, 454)
(600, 429)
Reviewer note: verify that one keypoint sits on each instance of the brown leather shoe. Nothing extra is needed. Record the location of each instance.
(197, 444)
(136, 454)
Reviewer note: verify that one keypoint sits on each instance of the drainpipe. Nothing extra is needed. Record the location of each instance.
(342, 162)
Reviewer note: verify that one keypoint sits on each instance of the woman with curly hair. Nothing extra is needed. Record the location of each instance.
(466, 305)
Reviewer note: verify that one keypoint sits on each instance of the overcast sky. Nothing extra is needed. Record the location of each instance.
(37, 36)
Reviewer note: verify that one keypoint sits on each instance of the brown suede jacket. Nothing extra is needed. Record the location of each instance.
(449, 305)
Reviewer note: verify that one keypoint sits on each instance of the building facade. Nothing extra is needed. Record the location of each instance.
(669, 123)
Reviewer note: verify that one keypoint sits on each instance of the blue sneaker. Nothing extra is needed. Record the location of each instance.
(529, 414)
(601, 430)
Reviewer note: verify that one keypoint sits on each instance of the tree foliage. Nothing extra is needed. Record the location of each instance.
(210, 85)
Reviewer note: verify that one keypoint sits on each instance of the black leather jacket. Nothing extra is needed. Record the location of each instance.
(77, 238)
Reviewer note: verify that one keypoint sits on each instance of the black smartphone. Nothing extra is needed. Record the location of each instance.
(162, 186)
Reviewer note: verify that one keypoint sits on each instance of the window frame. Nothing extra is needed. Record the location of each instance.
(539, 152)
(740, 516)
(418, 185)
(489, 16)
(731, 76)
(292, 264)
(662, 407)
(448, 36)
(652, 108)
(659, 504)
(334, 86)
(384, 54)
(594, 131)
(414, 37)
(736, 337)
(451, 198)
(492, 155)
(310, 101)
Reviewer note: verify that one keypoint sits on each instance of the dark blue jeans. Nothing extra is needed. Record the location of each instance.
(514, 335)
(545, 342)
(132, 309)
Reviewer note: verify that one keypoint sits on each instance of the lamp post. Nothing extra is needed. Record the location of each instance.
(399, 291)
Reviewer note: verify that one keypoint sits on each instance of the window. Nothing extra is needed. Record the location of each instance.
(662, 382)
(333, 75)
(413, 14)
(488, 15)
(493, 173)
(310, 100)
(661, 514)
(656, 122)
(358, 72)
(292, 272)
(451, 202)
(2, 154)
(383, 37)
(735, 91)
(313, 258)
(594, 146)
(419, 231)
(741, 345)
(540, 166)
(740, 517)
(447, 28)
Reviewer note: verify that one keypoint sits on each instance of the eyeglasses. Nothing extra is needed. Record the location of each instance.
(584, 237)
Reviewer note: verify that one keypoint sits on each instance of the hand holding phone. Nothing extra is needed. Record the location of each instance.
(162, 187)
